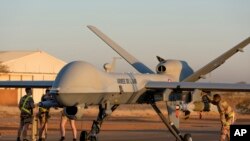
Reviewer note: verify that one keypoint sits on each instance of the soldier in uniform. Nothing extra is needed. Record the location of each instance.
(227, 116)
(26, 105)
(43, 116)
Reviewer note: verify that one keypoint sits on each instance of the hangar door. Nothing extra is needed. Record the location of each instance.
(8, 97)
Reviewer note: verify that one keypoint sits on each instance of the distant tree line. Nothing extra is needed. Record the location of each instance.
(4, 68)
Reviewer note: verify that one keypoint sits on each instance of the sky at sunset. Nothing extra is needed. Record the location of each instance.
(196, 31)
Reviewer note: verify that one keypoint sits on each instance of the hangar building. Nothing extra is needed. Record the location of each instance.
(26, 65)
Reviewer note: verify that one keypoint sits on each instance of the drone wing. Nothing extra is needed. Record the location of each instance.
(217, 62)
(139, 66)
(24, 84)
(191, 86)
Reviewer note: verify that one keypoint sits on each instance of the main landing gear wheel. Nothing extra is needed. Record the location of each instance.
(84, 136)
(188, 137)
(93, 138)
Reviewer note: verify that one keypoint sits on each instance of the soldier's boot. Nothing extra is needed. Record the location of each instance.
(41, 139)
(62, 139)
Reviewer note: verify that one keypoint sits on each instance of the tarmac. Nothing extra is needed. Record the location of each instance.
(129, 128)
(135, 129)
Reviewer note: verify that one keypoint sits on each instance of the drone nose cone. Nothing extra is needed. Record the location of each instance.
(74, 80)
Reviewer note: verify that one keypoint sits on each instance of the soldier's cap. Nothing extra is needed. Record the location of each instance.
(28, 88)
(47, 91)
(216, 98)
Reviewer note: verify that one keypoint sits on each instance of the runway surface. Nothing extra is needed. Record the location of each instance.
(128, 128)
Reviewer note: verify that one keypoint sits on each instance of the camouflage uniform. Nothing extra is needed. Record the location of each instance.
(43, 115)
(227, 117)
(26, 106)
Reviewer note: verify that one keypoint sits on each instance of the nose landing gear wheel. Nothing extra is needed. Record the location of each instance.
(188, 137)
(96, 125)
(84, 136)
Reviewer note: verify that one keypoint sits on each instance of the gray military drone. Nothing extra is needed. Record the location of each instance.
(80, 84)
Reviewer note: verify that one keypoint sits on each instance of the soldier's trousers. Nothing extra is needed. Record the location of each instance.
(225, 130)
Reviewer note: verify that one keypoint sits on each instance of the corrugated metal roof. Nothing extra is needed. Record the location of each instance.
(10, 55)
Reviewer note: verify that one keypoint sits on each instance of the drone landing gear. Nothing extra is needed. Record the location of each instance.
(96, 125)
(170, 125)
